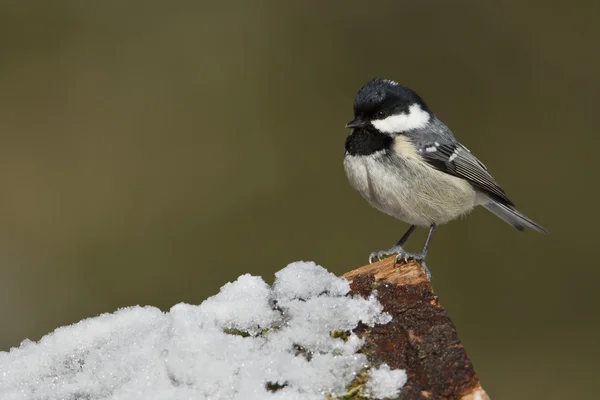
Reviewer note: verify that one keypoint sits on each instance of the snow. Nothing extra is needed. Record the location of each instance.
(385, 382)
(250, 341)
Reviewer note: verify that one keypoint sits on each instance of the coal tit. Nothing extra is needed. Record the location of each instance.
(406, 163)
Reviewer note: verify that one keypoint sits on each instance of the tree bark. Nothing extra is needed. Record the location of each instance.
(421, 337)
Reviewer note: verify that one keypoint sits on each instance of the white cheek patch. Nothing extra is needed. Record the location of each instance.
(415, 118)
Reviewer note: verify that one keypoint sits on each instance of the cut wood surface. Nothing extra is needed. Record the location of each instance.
(421, 338)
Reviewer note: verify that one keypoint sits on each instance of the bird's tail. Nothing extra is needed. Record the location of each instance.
(512, 216)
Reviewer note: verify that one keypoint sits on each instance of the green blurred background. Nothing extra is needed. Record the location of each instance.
(152, 151)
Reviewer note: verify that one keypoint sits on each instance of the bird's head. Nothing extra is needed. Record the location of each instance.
(389, 107)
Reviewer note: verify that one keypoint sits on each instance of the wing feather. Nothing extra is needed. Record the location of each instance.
(457, 160)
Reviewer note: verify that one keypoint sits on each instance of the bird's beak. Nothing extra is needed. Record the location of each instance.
(356, 123)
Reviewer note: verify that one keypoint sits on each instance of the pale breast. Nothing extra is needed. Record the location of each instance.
(409, 190)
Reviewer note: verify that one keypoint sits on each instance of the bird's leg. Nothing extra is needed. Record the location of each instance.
(420, 257)
(380, 255)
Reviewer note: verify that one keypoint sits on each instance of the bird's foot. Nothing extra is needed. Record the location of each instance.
(406, 257)
(380, 255)
(418, 257)
(401, 256)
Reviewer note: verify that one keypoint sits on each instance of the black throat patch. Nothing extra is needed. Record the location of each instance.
(363, 142)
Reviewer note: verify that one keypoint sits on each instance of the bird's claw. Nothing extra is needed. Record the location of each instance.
(406, 257)
(418, 257)
(380, 255)
(377, 256)
(401, 256)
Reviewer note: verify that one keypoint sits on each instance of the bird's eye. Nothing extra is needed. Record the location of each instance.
(380, 114)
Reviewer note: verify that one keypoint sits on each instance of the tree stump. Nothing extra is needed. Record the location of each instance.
(421, 338)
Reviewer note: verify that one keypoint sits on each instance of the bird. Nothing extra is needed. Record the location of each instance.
(407, 163)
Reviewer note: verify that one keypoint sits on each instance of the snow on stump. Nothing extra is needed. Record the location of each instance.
(378, 334)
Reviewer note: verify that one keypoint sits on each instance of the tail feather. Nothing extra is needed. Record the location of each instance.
(513, 217)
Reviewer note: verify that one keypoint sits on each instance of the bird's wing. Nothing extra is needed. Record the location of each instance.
(455, 159)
